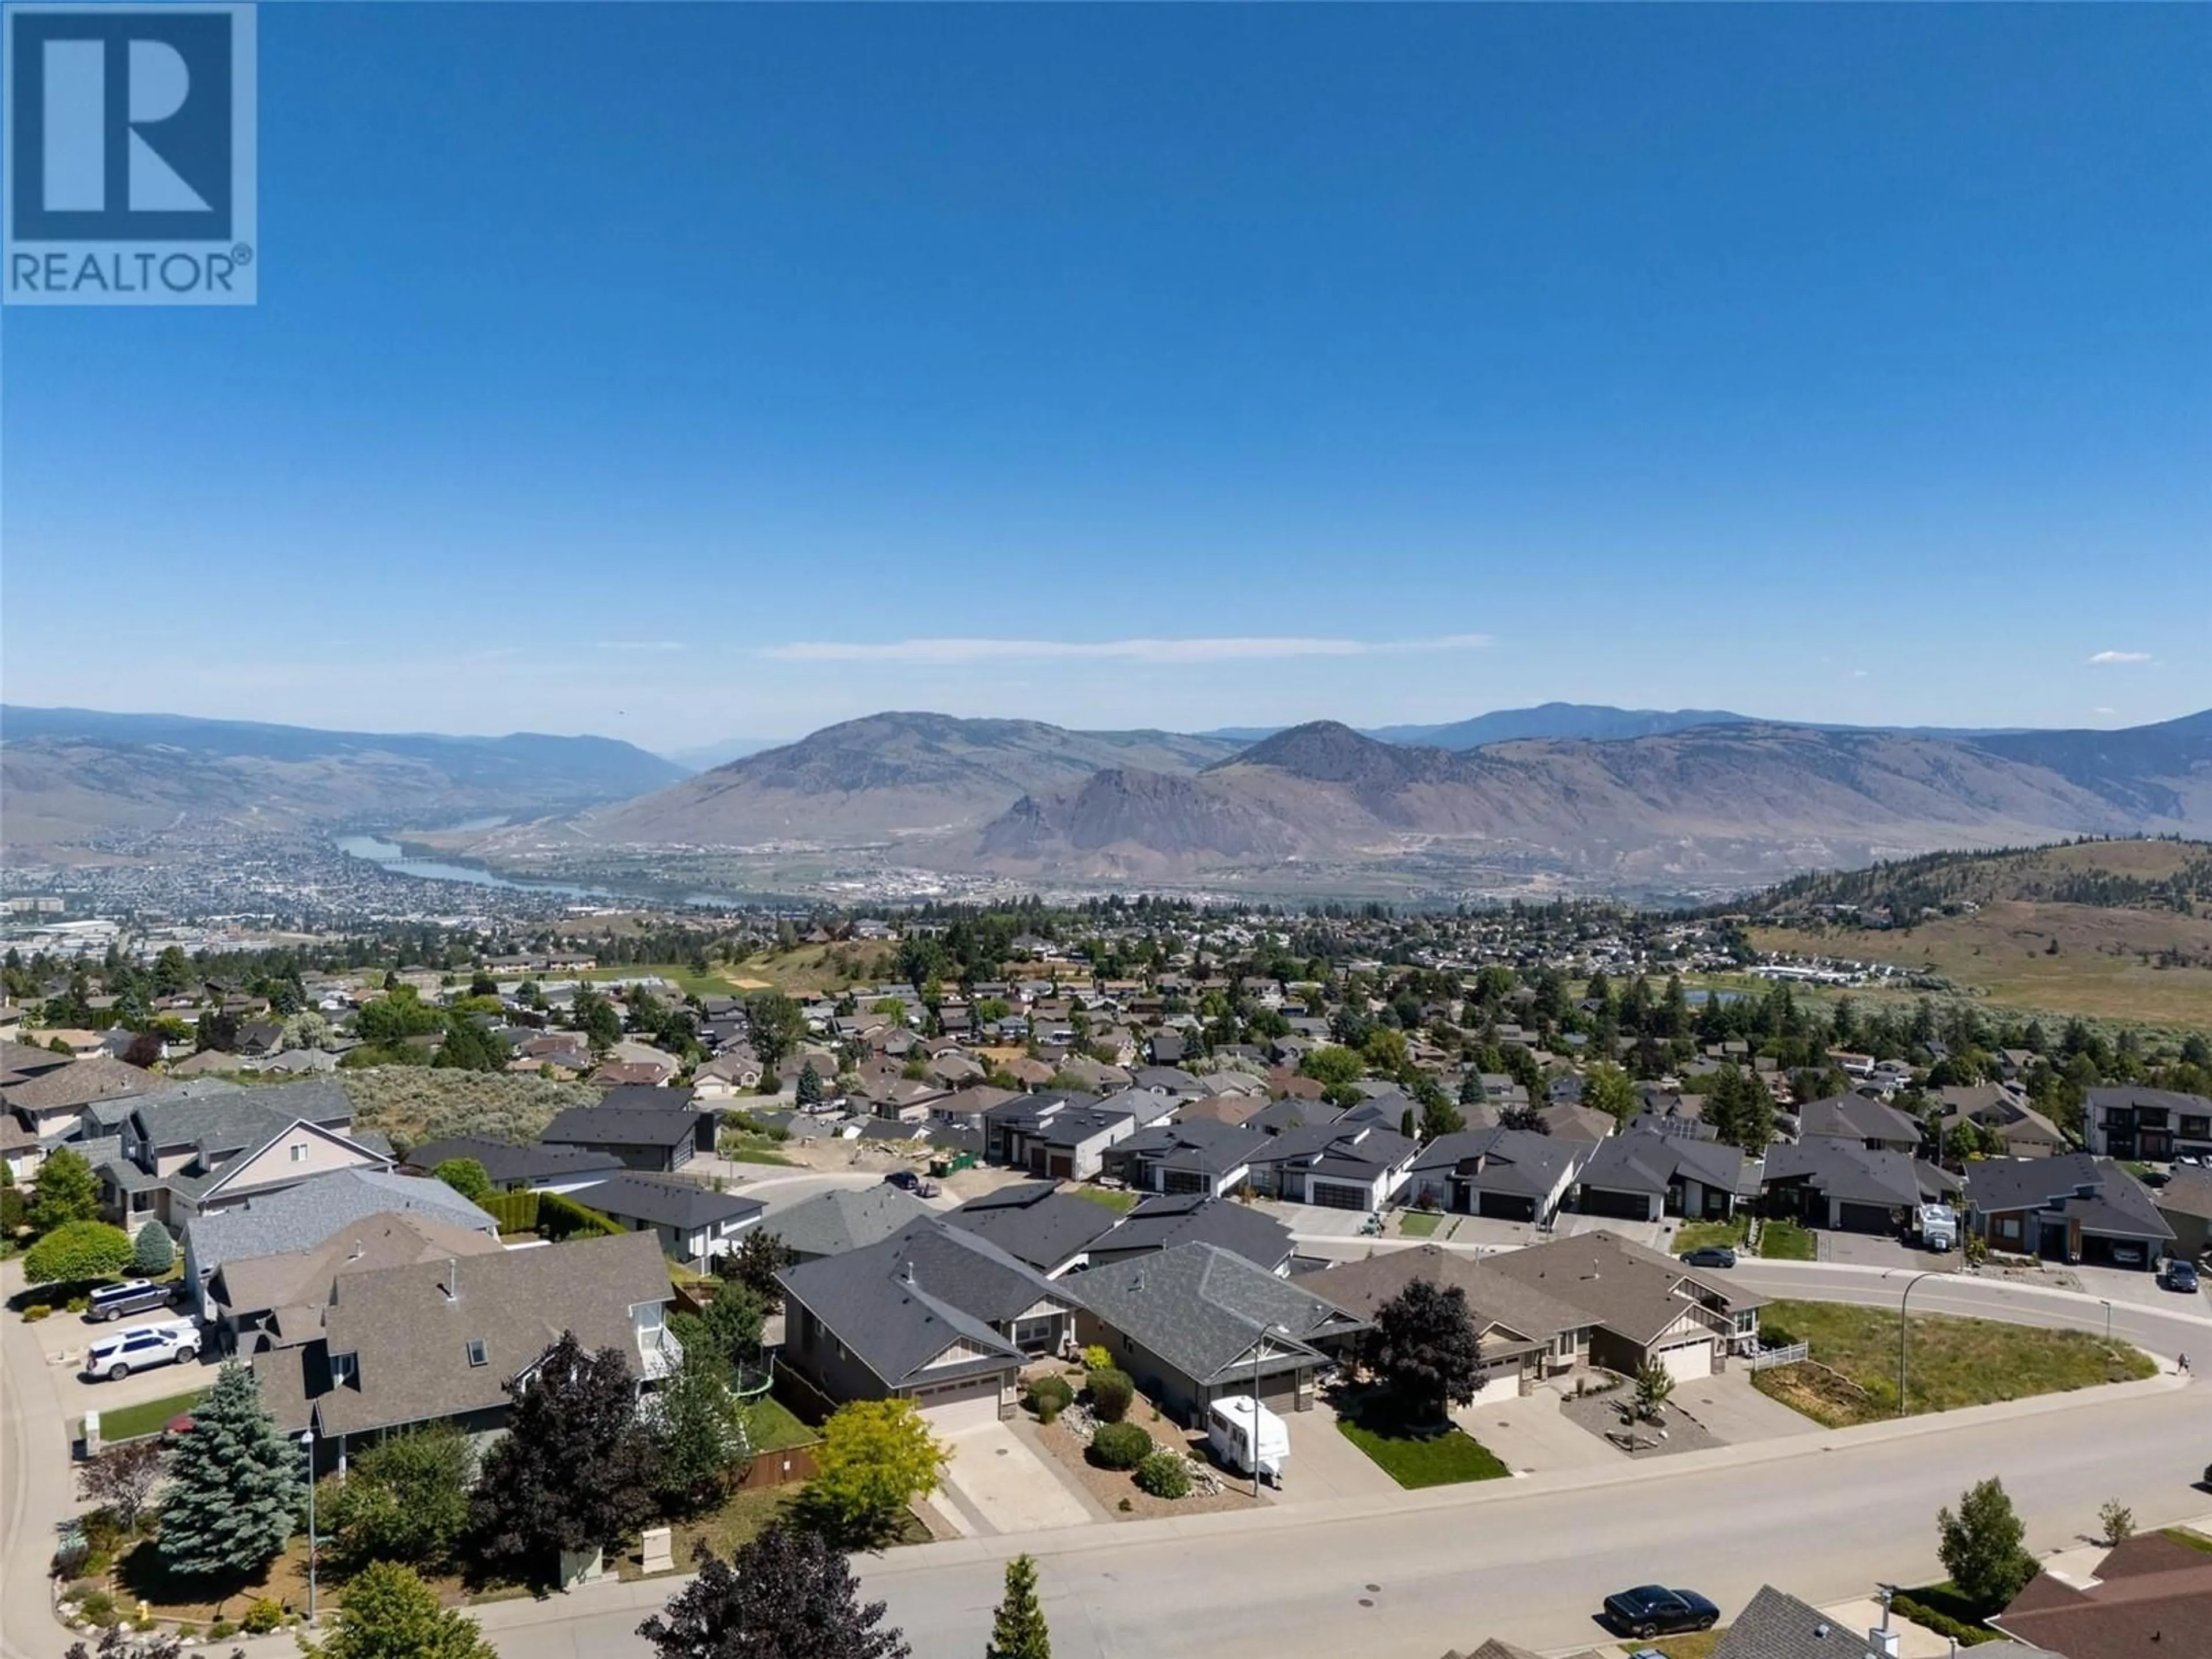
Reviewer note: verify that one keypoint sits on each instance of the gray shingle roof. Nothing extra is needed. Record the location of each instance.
(899, 1304)
(1201, 1310)
(1645, 1161)
(1852, 1175)
(833, 1223)
(1517, 1161)
(2116, 1202)
(503, 1162)
(1034, 1222)
(1857, 1117)
(1631, 1292)
(300, 1217)
(1164, 1221)
(1775, 1624)
(679, 1204)
(615, 1125)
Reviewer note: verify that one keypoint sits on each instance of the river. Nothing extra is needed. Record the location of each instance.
(393, 857)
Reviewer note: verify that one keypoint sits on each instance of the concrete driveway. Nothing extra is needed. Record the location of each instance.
(1324, 1465)
(1314, 1220)
(1733, 1412)
(994, 1483)
(62, 1341)
(1652, 1235)
(1530, 1436)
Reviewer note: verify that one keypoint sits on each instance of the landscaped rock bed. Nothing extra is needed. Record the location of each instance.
(1601, 1414)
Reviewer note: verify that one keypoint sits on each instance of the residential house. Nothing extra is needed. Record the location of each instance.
(1577, 1122)
(1055, 1136)
(1511, 1175)
(1840, 1185)
(655, 1141)
(277, 1301)
(2151, 1124)
(934, 1313)
(1643, 1174)
(694, 1223)
(1164, 1221)
(1640, 1307)
(1526, 1334)
(510, 1168)
(295, 1219)
(1196, 1323)
(1862, 1120)
(733, 1073)
(50, 1100)
(840, 1221)
(442, 1341)
(2185, 1204)
(2003, 1111)
(1337, 1166)
(1776, 1626)
(1037, 1223)
(195, 1149)
(2150, 1598)
(1189, 1158)
(2075, 1208)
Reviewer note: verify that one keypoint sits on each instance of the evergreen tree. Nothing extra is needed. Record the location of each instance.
(152, 1253)
(810, 1086)
(1018, 1632)
(235, 1484)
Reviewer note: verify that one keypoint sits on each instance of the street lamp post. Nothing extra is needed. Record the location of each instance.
(1904, 1331)
(307, 1445)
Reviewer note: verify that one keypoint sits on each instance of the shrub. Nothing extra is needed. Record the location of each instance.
(152, 1252)
(96, 1605)
(262, 1617)
(1111, 1391)
(98, 1564)
(2116, 1521)
(1126, 1506)
(222, 1631)
(1120, 1446)
(1165, 1474)
(1096, 1358)
(77, 1304)
(77, 1251)
(1050, 1396)
(35, 1312)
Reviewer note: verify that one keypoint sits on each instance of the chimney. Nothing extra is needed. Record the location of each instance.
(1883, 1641)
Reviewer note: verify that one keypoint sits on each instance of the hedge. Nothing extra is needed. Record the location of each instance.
(516, 1212)
(560, 1217)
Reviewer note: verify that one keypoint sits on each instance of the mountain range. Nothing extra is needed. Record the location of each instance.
(1625, 800)
(67, 775)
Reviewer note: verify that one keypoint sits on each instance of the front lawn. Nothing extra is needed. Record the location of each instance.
(136, 1422)
(2195, 1541)
(1697, 1234)
(1430, 1458)
(1955, 1362)
(1786, 1241)
(1691, 1644)
(1120, 1199)
(1420, 1224)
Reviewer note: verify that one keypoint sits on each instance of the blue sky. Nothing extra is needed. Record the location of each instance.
(692, 371)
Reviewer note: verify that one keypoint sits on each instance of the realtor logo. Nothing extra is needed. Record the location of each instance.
(130, 174)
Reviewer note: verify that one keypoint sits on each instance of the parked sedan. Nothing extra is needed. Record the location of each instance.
(1652, 1610)
(907, 1182)
(2179, 1275)
(1710, 1255)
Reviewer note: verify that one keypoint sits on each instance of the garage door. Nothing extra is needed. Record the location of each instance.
(1337, 1195)
(1864, 1218)
(1502, 1385)
(1687, 1361)
(1633, 1206)
(953, 1407)
(1503, 1206)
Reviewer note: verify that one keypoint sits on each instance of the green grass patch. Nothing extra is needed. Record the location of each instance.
(1429, 1459)
(1691, 1644)
(1420, 1224)
(2188, 1537)
(136, 1422)
(1786, 1241)
(1110, 1198)
(1955, 1362)
(1697, 1234)
(773, 1426)
(741, 1148)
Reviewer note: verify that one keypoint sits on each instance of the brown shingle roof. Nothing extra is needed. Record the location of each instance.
(2152, 1599)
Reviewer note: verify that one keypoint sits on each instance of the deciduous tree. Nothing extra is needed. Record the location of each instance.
(122, 1478)
(759, 1257)
(466, 1177)
(386, 1612)
(876, 1457)
(1984, 1547)
(65, 1191)
(789, 1594)
(406, 1498)
(1427, 1350)
(75, 1251)
(774, 1026)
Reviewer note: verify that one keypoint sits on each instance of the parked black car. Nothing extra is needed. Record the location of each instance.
(1652, 1610)
(907, 1182)
(2179, 1275)
(1710, 1255)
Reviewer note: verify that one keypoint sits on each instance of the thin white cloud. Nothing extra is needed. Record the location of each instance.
(1857, 674)
(2120, 656)
(1258, 648)
(637, 644)
(2104, 711)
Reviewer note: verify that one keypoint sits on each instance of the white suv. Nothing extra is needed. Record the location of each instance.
(173, 1342)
